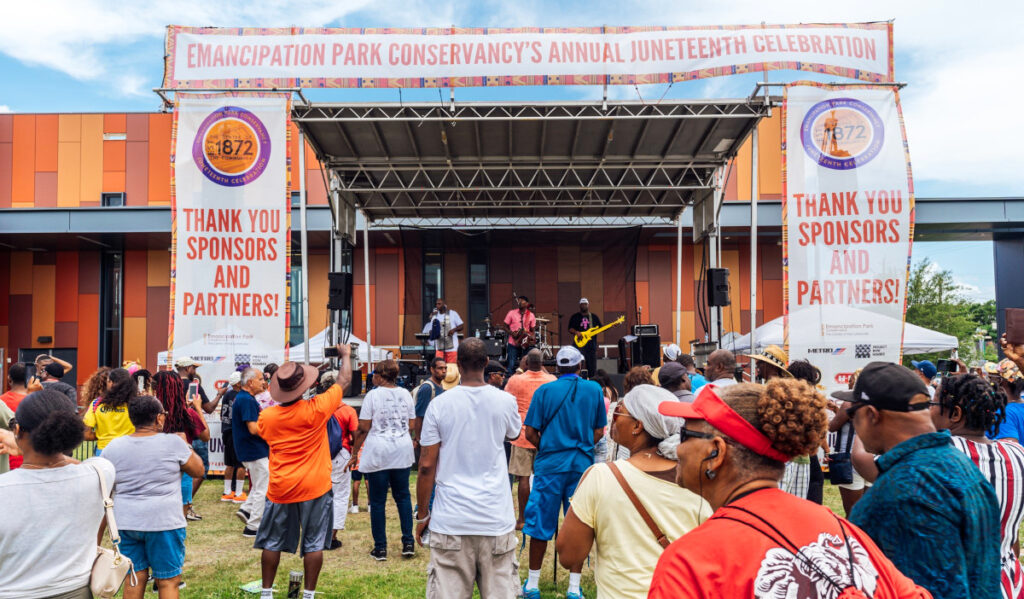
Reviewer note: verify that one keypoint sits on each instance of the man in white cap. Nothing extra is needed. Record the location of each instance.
(579, 322)
(233, 468)
(565, 420)
(669, 354)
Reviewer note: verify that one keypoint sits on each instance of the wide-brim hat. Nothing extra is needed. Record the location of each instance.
(1009, 370)
(287, 386)
(774, 355)
(451, 377)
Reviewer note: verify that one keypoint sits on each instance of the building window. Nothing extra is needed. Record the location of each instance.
(111, 307)
(433, 269)
(296, 199)
(112, 200)
(295, 324)
(478, 294)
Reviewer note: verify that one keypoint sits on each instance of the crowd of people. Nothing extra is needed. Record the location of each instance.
(685, 484)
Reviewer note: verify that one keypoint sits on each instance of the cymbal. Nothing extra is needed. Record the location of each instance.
(487, 319)
(544, 320)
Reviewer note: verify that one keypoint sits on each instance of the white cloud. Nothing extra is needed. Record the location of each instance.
(5, 108)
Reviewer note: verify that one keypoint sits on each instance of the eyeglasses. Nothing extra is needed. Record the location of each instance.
(618, 413)
(856, 405)
(685, 433)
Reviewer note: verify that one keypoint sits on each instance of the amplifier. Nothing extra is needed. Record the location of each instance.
(645, 330)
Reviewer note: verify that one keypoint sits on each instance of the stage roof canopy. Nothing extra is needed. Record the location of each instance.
(553, 163)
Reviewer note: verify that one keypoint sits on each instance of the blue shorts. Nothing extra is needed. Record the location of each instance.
(186, 489)
(203, 450)
(162, 551)
(548, 493)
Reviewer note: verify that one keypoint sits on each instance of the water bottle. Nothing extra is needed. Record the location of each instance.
(478, 333)
(294, 584)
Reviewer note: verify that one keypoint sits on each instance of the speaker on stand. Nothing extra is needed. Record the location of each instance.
(718, 292)
(646, 349)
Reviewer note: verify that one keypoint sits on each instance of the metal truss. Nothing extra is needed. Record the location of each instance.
(518, 222)
(690, 109)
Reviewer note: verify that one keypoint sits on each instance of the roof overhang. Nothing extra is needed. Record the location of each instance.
(564, 164)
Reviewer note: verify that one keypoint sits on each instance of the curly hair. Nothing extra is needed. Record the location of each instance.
(95, 386)
(983, 404)
(52, 422)
(789, 412)
(122, 391)
(637, 375)
(802, 370)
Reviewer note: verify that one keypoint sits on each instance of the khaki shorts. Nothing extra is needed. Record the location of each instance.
(857, 484)
(457, 561)
(520, 463)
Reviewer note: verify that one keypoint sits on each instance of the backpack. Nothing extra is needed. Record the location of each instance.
(334, 436)
(416, 391)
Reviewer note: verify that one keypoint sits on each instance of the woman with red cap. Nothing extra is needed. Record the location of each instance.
(761, 541)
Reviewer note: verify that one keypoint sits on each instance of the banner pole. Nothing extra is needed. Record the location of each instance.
(366, 290)
(753, 248)
(305, 246)
(679, 279)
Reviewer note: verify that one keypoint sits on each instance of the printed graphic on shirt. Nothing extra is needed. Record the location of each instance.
(820, 570)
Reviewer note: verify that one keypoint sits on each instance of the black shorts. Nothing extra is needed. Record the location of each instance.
(230, 459)
(356, 475)
(283, 522)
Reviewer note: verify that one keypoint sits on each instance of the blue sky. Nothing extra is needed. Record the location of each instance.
(959, 61)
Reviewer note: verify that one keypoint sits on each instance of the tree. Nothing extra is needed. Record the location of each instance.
(935, 301)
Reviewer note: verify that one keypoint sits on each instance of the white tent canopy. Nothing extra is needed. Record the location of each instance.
(317, 343)
(916, 340)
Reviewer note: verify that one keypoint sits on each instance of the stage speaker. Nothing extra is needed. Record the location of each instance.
(718, 287)
(339, 291)
(493, 347)
(646, 350)
(356, 387)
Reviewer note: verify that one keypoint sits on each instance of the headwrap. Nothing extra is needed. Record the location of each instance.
(642, 403)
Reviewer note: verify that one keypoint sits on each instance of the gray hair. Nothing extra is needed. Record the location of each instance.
(249, 374)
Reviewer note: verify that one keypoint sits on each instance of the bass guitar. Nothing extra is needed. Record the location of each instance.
(583, 337)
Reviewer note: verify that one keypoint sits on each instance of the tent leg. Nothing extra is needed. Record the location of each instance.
(366, 290)
(753, 248)
(305, 247)
(679, 279)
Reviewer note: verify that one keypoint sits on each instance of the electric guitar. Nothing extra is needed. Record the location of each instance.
(583, 337)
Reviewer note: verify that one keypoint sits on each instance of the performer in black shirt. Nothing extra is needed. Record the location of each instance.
(579, 322)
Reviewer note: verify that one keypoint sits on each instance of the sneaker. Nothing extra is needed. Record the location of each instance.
(530, 593)
(408, 550)
(192, 515)
(380, 554)
(249, 532)
(335, 544)
(228, 497)
(243, 516)
(240, 498)
(578, 595)
(354, 509)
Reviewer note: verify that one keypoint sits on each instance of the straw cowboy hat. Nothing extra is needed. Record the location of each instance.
(774, 355)
(451, 377)
(1008, 370)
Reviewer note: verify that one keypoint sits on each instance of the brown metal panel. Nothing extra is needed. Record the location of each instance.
(546, 277)
(46, 190)
(20, 333)
(456, 281)
(137, 127)
(65, 334)
(387, 308)
(6, 128)
(6, 173)
(158, 301)
(88, 273)
(661, 292)
(769, 255)
(136, 172)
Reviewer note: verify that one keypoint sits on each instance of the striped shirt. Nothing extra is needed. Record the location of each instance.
(1002, 463)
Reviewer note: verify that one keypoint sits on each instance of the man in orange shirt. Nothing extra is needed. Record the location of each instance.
(299, 496)
(522, 386)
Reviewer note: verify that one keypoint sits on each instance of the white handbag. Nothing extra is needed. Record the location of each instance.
(111, 567)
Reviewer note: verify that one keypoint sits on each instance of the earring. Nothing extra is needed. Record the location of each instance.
(710, 474)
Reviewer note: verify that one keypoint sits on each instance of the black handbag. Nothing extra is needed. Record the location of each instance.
(840, 465)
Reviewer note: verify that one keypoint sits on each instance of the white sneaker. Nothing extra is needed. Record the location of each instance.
(354, 509)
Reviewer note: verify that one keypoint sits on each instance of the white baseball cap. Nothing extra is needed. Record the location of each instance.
(568, 356)
(584, 300)
(672, 351)
(235, 378)
(185, 362)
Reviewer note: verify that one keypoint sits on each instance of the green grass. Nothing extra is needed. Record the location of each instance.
(219, 559)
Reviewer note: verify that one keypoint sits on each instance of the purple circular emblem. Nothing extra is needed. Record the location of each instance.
(842, 133)
(232, 147)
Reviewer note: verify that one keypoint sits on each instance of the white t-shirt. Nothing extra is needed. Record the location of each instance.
(453, 321)
(718, 384)
(472, 495)
(147, 496)
(388, 444)
(48, 532)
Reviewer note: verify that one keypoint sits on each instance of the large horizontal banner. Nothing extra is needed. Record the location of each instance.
(219, 58)
(848, 206)
(230, 233)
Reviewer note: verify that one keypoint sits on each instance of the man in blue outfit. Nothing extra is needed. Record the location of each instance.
(930, 510)
(251, 449)
(566, 418)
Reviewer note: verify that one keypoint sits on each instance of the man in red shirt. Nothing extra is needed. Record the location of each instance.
(520, 321)
(522, 386)
(17, 389)
(341, 479)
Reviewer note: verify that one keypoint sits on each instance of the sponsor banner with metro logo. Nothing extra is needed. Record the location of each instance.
(848, 205)
(231, 240)
(318, 57)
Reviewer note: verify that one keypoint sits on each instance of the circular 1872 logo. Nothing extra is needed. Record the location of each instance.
(842, 133)
(232, 147)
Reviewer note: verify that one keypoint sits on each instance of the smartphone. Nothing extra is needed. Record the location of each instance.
(193, 390)
(142, 384)
(943, 366)
(330, 352)
(30, 371)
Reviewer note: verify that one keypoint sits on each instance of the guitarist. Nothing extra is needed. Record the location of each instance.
(520, 322)
(579, 322)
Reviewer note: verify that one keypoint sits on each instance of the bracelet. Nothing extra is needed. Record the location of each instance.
(425, 518)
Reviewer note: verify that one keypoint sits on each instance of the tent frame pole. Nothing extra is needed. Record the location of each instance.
(366, 291)
(679, 279)
(754, 192)
(305, 246)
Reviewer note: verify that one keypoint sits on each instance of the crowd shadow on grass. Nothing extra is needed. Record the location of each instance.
(219, 559)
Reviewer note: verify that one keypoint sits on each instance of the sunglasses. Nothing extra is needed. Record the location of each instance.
(685, 433)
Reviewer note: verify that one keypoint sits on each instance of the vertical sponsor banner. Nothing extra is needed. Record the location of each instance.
(848, 214)
(231, 232)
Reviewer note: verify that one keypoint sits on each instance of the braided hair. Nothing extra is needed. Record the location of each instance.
(122, 391)
(983, 404)
(170, 390)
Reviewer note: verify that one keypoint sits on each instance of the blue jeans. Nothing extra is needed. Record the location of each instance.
(378, 483)
(514, 353)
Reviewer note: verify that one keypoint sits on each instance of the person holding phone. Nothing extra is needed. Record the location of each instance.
(184, 420)
(186, 367)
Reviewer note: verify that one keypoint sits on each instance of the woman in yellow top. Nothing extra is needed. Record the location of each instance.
(107, 419)
(603, 514)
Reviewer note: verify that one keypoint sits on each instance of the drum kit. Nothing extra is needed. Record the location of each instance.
(497, 339)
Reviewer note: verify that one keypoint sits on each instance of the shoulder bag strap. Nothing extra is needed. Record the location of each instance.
(565, 398)
(644, 514)
(108, 508)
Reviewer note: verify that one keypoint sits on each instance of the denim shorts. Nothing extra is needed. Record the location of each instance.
(203, 450)
(548, 493)
(162, 551)
(186, 489)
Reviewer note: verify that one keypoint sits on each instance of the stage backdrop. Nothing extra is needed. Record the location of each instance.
(230, 248)
(848, 202)
(307, 57)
